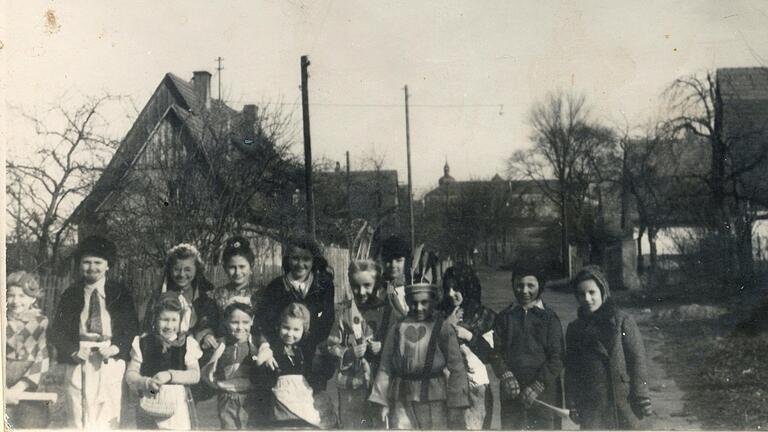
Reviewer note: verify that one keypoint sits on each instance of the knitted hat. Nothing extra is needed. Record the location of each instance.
(592, 272)
(26, 282)
(394, 247)
(96, 246)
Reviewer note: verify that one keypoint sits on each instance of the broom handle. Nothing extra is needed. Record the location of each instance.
(564, 413)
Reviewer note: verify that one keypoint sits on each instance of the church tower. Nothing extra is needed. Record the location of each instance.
(446, 179)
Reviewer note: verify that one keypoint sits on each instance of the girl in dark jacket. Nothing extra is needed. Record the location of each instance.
(473, 323)
(308, 281)
(606, 380)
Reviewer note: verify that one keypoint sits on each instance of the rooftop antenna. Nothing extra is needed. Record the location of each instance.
(218, 70)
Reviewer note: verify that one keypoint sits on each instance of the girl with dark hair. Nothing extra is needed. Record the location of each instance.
(396, 262)
(528, 355)
(163, 364)
(237, 259)
(605, 367)
(306, 281)
(473, 323)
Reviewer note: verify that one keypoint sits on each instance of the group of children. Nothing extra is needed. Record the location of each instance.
(403, 354)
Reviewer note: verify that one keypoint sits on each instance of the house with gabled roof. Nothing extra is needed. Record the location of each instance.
(190, 168)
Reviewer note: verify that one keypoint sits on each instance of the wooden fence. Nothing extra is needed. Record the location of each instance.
(146, 280)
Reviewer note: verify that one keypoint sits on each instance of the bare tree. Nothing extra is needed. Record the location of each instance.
(707, 107)
(566, 142)
(44, 187)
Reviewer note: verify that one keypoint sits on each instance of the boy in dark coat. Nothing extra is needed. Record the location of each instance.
(605, 380)
(92, 331)
(527, 358)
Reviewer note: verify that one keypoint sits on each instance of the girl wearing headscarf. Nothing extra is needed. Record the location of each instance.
(606, 379)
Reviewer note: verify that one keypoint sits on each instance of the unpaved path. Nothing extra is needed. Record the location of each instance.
(667, 397)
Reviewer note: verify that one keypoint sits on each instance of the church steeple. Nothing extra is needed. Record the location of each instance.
(446, 178)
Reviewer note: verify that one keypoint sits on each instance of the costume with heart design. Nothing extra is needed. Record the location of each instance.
(411, 380)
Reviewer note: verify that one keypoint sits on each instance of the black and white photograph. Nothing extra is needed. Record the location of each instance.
(362, 215)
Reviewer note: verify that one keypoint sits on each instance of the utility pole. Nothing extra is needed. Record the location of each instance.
(219, 69)
(410, 183)
(307, 149)
(349, 191)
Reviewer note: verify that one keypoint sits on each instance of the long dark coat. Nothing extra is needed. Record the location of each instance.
(605, 368)
(320, 302)
(64, 333)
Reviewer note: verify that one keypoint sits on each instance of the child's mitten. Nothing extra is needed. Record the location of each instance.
(509, 385)
(642, 407)
(574, 415)
(532, 392)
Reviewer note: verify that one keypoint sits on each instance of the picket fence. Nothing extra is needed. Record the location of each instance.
(144, 281)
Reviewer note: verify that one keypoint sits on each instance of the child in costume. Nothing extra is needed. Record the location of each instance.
(185, 275)
(164, 363)
(92, 331)
(411, 386)
(26, 351)
(284, 363)
(356, 344)
(605, 367)
(528, 356)
(230, 369)
(473, 324)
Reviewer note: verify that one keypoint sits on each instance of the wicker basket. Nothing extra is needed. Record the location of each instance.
(160, 405)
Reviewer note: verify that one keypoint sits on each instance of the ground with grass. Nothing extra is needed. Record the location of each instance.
(720, 368)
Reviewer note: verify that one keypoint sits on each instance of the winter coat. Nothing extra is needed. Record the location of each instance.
(320, 302)
(64, 332)
(605, 368)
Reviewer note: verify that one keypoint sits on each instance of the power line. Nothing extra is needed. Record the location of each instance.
(396, 105)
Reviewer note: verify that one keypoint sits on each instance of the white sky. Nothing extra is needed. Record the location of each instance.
(465, 60)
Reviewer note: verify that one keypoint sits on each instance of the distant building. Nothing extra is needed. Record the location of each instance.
(526, 224)
(371, 195)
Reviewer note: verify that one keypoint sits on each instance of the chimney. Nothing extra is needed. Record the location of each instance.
(201, 80)
(249, 123)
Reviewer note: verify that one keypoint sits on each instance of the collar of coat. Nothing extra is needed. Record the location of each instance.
(606, 313)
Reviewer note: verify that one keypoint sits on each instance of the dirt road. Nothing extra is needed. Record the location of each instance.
(666, 395)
